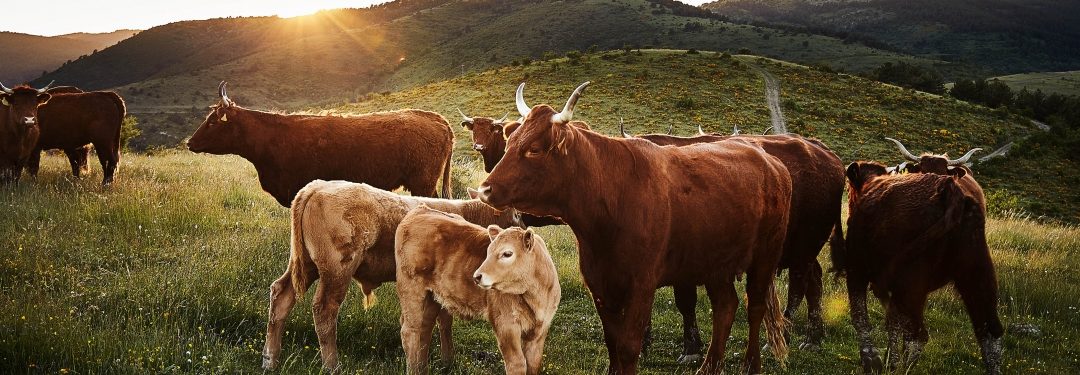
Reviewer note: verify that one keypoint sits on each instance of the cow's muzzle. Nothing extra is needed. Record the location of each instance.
(28, 121)
(478, 147)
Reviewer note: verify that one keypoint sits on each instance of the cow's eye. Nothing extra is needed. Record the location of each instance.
(507, 254)
(533, 152)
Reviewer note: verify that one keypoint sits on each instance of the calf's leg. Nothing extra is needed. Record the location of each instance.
(282, 299)
(328, 298)
(419, 312)
(534, 352)
(446, 335)
(508, 334)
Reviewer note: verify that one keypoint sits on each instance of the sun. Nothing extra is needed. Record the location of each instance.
(297, 8)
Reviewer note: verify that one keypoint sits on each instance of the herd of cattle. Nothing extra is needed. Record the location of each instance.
(648, 211)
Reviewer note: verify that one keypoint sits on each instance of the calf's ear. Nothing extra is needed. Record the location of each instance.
(528, 239)
(493, 231)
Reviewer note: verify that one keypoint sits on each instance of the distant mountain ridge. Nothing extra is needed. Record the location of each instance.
(24, 57)
(1008, 36)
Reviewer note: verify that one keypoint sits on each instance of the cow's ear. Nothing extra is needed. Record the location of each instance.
(473, 193)
(467, 125)
(4, 100)
(493, 231)
(912, 168)
(497, 128)
(527, 238)
(43, 98)
(853, 175)
(958, 172)
(510, 128)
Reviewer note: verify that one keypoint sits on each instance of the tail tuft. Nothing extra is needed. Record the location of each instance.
(775, 325)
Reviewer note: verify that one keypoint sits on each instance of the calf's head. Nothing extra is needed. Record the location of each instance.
(220, 131)
(537, 164)
(488, 137)
(512, 259)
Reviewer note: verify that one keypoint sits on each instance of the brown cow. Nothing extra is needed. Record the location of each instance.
(19, 128)
(407, 148)
(72, 121)
(646, 216)
(908, 235)
(505, 277)
(817, 180)
(343, 231)
(930, 163)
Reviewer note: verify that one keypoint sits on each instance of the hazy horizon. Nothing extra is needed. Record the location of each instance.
(67, 16)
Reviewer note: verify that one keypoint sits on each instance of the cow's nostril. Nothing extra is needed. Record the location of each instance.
(478, 277)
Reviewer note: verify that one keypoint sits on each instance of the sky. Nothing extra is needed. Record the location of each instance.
(96, 16)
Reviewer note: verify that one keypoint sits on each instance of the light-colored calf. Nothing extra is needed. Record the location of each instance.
(503, 276)
(343, 231)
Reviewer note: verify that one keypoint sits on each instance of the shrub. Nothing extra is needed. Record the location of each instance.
(685, 102)
(691, 51)
(910, 76)
(744, 51)
(129, 129)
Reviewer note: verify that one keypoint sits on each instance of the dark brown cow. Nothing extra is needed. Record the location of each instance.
(19, 129)
(930, 163)
(387, 150)
(908, 235)
(72, 121)
(817, 180)
(646, 216)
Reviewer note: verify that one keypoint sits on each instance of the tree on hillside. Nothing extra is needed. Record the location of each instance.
(910, 76)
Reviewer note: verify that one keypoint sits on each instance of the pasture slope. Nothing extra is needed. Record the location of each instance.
(1064, 83)
(168, 270)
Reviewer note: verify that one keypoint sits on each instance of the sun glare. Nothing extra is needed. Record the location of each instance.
(296, 9)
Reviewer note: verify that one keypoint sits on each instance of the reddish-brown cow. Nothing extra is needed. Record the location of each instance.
(72, 121)
(908, 235)
(19, 129)
(817, 180)
(387, 150)
(646, 216)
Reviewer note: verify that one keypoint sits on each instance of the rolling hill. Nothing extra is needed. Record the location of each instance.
(1007, 36)
(168, 74)
(655, 89)
(26, 57)
(1064, 83)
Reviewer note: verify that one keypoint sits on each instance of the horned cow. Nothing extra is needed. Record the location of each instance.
(908, 235)
(71, 121)
(506, 277)
(19, 127)
(636, 209)
(407, 148)
(343, 231)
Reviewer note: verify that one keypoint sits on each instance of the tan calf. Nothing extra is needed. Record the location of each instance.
(343, 231)
(503, 276)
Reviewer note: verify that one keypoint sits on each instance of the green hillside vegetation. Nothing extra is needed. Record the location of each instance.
(169, 74)
(1008, 36)
(1064, 83)
(168, 270)
(26, 57)
(654, 89)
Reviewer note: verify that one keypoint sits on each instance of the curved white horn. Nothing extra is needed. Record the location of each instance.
(523, 109)
(700, 131)
(622, 130)
(903, 150)
(503, 119)
(1001, 151)
(735, 130)
(766, 130)
(964, 159)
(463, 117)
(6, 90)
(46, 88)
(224, 95)
(567, 113)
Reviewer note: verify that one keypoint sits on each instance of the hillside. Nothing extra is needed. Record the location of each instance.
(1065, 83)
(1008, 36)
(655, 89)
(26, 57)
(168, 74)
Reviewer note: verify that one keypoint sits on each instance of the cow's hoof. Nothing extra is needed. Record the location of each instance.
(871, 364)
(687, 359)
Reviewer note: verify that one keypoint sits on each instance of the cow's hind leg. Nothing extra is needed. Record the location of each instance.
(109, 156)
(328, 298)
(686, 301)
(724, 303)
(815, 324)
(856, 288)
(907, 331)
(419, 311)
(978, 289)
(282, 299)
(797, 287)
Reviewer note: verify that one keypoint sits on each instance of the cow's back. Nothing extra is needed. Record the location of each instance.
(442, 251)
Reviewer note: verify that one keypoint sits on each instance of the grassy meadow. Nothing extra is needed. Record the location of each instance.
(1064, 83)
(168, 271)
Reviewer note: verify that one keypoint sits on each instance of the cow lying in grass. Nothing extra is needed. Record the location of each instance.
(343, 231)
(503, 276)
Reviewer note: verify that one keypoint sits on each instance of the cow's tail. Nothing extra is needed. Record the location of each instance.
(775, 325)
(837, 249)
(299, 258)
(121, 109)
(446, 175)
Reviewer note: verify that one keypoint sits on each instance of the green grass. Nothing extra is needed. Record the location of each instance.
(1064, 83)
(168, 271)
